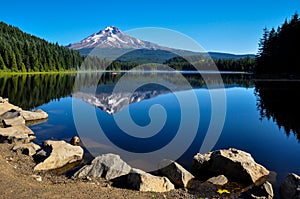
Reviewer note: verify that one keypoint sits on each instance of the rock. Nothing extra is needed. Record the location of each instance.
(268, 190)
(10, 114)
(2, 100)
(263, 191)
(175, 173)
(24, 129)
(75, 141)
(37, 178)
(41, 155)
(143, 181)
(31, 137)
(62, 153)
(34, 115)
(5, 107)
(218, 180)
(28, 148)
(199, 186)
(108, 166)
(234, 164)
(290, 188)
(16, 134)
(14, 121)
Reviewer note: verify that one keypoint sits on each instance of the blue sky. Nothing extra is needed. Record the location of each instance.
(233, 26)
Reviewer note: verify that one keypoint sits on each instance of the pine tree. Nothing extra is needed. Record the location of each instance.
(23, 67)
(2, 64)
(14, 66)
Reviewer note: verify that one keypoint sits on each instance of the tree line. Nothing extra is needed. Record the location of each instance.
(20, 51)
(178, 63)
(279, 49)
(242, 64)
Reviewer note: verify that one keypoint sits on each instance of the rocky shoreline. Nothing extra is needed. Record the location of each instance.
(228, 173)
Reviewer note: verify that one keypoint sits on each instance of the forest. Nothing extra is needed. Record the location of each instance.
(23, 52)
(279, 49)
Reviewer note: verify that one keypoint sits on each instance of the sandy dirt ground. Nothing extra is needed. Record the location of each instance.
(18, 180)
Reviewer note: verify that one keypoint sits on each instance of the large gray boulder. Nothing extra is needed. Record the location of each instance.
(34, 115)
(234, 164)
(290, 188)
(142, 181)
(108, 166)
(62, 153)
(175, 173)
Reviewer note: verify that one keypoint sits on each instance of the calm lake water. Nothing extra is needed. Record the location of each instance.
(262, 117)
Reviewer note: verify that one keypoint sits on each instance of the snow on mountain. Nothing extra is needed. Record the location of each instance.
(112, 37)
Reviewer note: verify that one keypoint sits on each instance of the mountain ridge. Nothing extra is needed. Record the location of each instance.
(111, 42)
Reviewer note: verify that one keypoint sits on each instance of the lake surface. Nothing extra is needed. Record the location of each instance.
(261, 116)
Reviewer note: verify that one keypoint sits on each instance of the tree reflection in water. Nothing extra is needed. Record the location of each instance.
(279, 101)
(29, 91)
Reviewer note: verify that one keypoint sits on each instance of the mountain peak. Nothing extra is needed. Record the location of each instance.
(110, 29)
(112, 37)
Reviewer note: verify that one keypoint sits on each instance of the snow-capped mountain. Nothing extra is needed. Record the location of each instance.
(112, 37)
(111, 43)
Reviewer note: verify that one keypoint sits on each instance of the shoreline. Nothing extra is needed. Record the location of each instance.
(20, 179)
(243, 174)
(124, 71)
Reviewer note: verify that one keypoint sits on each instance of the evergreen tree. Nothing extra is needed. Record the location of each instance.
(279, 50)
(23, 67)
(2, 64)
(13, 63)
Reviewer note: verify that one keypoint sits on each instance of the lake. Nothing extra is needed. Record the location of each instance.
(146, 117)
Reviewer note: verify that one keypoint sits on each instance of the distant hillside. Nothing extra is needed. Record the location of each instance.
(20, 51)
(218, 55)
